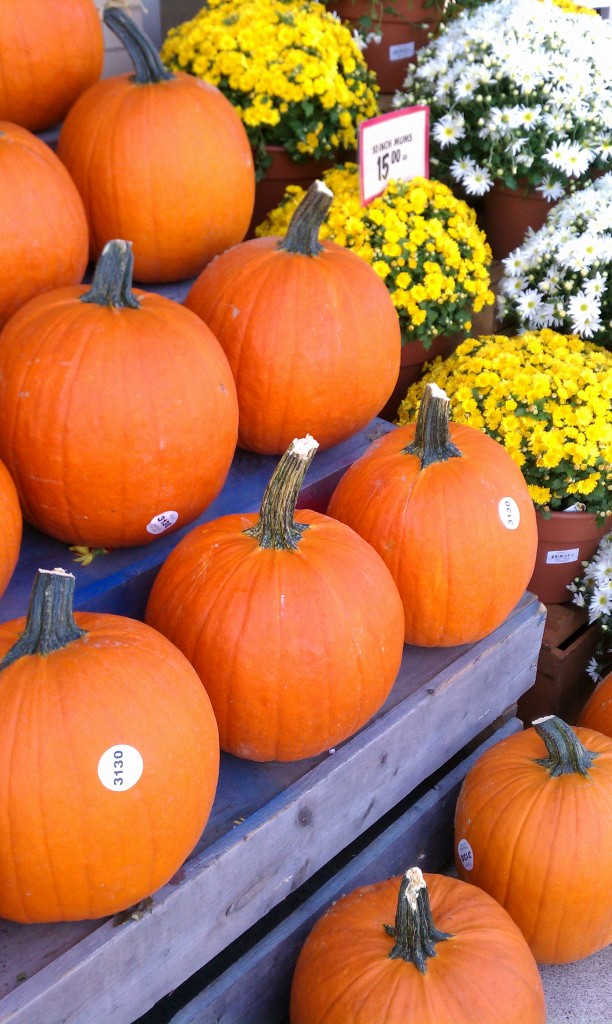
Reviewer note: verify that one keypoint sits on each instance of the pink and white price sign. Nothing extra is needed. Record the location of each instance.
(393, 146)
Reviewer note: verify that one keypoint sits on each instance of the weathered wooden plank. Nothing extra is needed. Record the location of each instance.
(120, 581)
(255, 988)
(443, 698)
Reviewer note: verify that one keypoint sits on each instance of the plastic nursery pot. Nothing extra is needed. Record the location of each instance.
(508, 213)
(565, 540)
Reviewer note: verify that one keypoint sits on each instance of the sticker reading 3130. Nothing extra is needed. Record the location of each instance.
(162, 522)
(509, 513)
(120, 767)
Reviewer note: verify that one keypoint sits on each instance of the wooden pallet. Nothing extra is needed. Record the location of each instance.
(562, 685)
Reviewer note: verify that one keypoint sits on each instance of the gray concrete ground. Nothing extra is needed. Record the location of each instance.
(580, 993)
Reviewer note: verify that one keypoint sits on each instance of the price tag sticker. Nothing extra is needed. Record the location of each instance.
(393, 146)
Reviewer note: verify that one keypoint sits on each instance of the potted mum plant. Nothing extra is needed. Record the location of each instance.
(520, 94)
(295, 74)
(423, 242)
(547, 398)
(593, 591)
(561, 275)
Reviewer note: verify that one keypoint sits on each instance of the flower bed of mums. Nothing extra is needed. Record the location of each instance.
(294, 72)
(547, 398)
(561, 276)
(419, 238)
(520, 93)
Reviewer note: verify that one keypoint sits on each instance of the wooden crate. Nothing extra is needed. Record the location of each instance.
(273, 826)
(562, 685)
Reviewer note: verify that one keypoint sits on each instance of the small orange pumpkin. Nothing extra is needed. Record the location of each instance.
(109, 759)
(450, 513)
(161, 158)
(448, 961)
(291, 620)
(12, 527)
(49, 53)
(310, 331)
(535, 832)
(43, 241)
(597, 712)
(118, 411)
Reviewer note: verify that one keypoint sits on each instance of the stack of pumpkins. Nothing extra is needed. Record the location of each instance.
(120, 412)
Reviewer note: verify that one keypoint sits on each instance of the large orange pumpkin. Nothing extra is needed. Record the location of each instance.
(310, 331)
(453, 956)
(292, 622)
(12, 525)
(49, 53)
(450, 513)
(533, 828)
(160, 158)
(118, 411)
(597, 712)
(109, 759)
(43, 241)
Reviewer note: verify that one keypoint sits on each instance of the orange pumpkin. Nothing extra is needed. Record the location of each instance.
(533, 828)
(49, 53)
(453, 956)
(118, 412)
(11, 519)
(109, 759)
(292, 622)
(43, 242)
(450, 513)
(310, 331)
(597, 712)
(160, 158)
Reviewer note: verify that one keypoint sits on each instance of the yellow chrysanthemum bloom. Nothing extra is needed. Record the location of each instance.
(422, 241)
(293, 71)
(510, 387)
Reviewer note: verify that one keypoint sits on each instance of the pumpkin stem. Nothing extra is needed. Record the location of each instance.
(143, 55)
(276, 527)
(50, 621)
(414, 931)
(112, 280)
(566, 754)
(432, 441)
(303, 232)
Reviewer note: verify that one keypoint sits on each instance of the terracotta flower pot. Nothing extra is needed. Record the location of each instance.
(402, 34)
(414, 355)
(282, 171)
(508, 213)
(565, 540)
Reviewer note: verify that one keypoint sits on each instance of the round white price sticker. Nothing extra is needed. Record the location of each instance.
(466, 854)
(162, 522)
(509, 513)
(120, 767)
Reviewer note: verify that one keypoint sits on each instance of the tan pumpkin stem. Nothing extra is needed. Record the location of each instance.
(566, 754)
(432, 441)
(143, 55)
(50, 621)
(414, 931)
(112, 280)
(276, 527)
(303, 232)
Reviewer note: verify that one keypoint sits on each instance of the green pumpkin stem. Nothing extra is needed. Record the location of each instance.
(303, 232)
(143, 55)
(566, 754)
(276, 527)
(432, 441)
(50, 621)
(112, 280)
(414, 930)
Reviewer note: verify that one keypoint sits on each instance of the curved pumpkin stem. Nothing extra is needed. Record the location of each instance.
(145, 58)
(566, 754)
(276, 527)
(50, 621)
(414, 931)
(112, 280)
(432, 441)
(303, 232)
